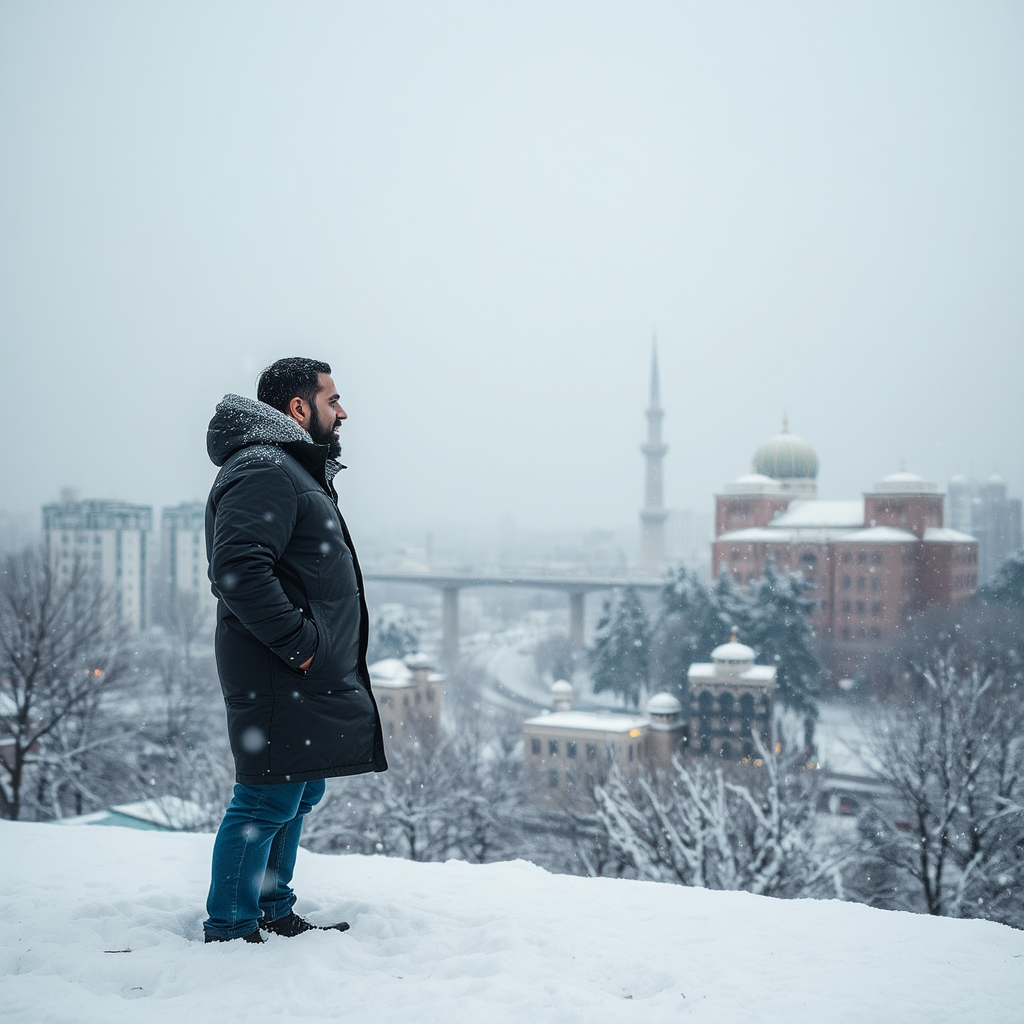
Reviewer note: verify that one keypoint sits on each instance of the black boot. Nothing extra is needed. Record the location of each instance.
(291, 925)
(251, 937)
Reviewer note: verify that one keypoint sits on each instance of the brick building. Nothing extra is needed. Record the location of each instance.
(872, 561)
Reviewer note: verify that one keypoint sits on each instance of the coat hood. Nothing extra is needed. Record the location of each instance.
(241, 422)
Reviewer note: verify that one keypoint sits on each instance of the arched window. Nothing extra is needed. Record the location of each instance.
(726, 703)
(747, 712)
(705, 712)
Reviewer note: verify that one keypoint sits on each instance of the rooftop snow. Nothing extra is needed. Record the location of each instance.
(707, 670)
(593, 721)
(391, 674)
(880, 535)
(759, 535)
(165, 812)
(818, 512)
(944, 535)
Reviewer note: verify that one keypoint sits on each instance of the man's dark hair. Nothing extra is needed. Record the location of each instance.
(290, 378)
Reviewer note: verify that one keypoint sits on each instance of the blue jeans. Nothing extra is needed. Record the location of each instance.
(254, 856)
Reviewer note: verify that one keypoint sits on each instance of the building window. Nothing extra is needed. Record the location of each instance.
(876, 633)
(862, 583)
(862, 557)
(824, 605)
(860, 607)
(876, 607)
(631, 751)
(847, 607)
(876, 583)
(553, 748)
(877, 558)
(570, 748)
(553, 778)
(846, 632)
(535, 746)
(591, 751)
(847, 582)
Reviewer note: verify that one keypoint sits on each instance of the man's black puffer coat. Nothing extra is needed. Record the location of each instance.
(288, 586)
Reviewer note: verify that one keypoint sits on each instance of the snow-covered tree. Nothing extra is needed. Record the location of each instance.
(732, 603)
(1007, 586)
(61, 653)
(392, 634)
(754, 829)
(952, 840)
(688, 629)
(619, 658)
(554, 656)
(775, 624)
(461, 798)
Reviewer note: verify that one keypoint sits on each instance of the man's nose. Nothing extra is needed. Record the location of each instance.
(340, 413)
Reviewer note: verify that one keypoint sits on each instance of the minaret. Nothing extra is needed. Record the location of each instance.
(653, 514)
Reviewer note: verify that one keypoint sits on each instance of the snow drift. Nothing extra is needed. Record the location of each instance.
(104, 925)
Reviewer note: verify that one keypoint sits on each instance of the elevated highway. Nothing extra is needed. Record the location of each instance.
(575, 587)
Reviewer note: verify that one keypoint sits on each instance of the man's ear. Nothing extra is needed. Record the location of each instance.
(297, 410)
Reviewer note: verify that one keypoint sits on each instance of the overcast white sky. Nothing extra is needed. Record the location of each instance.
(479, 212)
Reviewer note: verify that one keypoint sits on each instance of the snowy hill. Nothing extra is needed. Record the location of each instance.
(463, 943)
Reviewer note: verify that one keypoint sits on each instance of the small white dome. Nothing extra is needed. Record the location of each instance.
(561, 687)
(995, 478)
(664, 704)
(417, 660)
(732, 653)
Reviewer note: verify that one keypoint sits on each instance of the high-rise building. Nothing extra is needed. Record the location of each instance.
(996, 522)
(959, 497)
(985, 511)
(654, 513)
(183, 554)
(113, 538)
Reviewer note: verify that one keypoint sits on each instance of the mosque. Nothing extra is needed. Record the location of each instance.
(872, 560)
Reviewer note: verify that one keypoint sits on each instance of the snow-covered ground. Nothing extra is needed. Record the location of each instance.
(103, 924)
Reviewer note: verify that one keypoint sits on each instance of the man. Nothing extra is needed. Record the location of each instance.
(290, 642)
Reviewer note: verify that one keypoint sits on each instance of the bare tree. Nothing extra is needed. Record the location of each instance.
(952, 841)
(460, 797)
(61, 653)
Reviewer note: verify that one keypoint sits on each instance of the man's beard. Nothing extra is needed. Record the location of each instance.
(325, 435)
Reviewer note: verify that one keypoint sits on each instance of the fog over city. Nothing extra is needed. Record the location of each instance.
(673, 592)
(481, 214)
